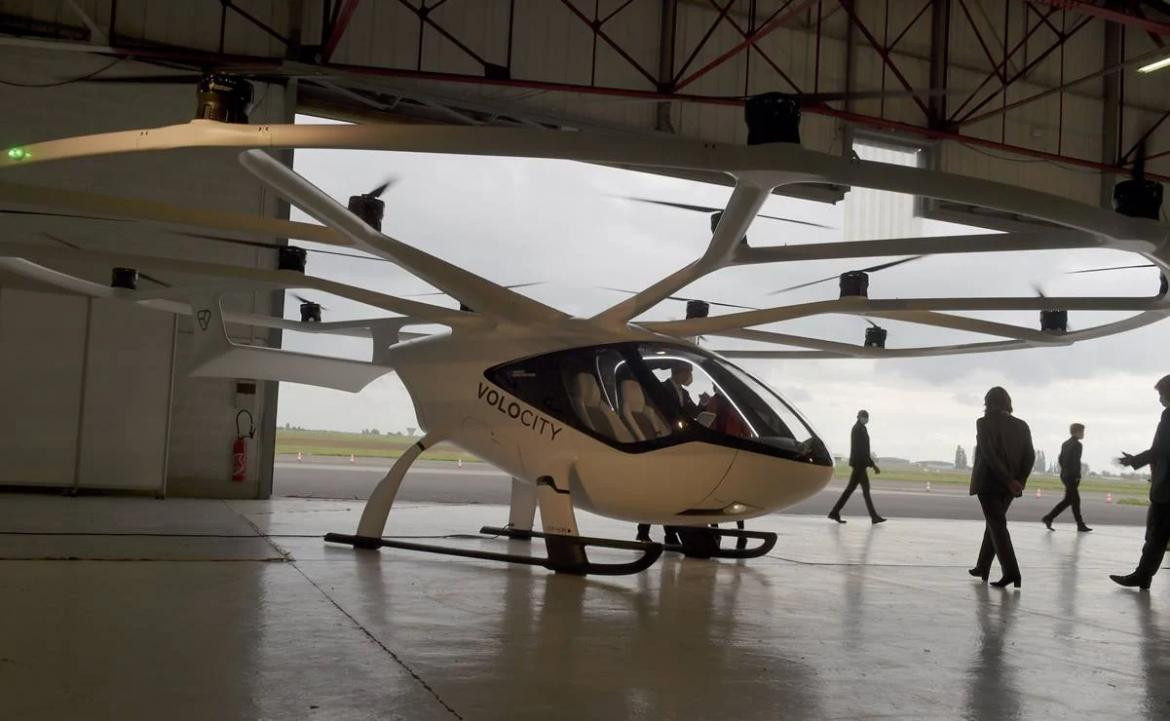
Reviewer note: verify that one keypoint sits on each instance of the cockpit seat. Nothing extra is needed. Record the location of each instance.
(595, 412)
(644, 420)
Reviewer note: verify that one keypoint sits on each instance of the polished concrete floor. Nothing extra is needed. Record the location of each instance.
(186, 609)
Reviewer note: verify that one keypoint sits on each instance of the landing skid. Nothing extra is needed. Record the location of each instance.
(566, 554)
(704, 542)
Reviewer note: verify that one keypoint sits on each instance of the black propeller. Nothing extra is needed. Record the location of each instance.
(1116, 267)
(139, 274)
(274, 246)
(513, 286)
(310, 310)
(685, 300)
(708, 209)
(870, 269)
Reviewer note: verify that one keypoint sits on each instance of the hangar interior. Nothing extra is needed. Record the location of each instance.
(225, 603)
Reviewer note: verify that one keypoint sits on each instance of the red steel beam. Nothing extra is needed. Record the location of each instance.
(339, 28)
(847, 6)
(745, 34)
(765, 30)
(1025, 70)
(597, 31)
(702, 42)
(1116, 16)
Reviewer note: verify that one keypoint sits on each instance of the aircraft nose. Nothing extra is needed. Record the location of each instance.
(770, 483)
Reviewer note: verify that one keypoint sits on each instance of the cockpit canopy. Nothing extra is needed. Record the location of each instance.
(641, 396)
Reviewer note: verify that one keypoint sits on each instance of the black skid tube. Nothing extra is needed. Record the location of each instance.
(566, 553)
(704, 542)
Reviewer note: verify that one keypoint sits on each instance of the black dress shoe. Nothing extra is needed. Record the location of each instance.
(836, 517)
(979, 574)
(1007, 580)
(1083, 528)
(1132, 581)
(1047, 523)
(877, 519)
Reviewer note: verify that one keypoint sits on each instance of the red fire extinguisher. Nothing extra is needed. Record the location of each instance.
(240, 447)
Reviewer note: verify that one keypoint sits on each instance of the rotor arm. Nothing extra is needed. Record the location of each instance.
(483, 295)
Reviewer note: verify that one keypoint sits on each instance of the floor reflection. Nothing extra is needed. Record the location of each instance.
(992, 693)
(675, 646)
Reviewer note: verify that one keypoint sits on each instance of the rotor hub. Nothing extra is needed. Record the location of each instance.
(697, 309)
(772, 118)
(855, 283)
(290, 257)
(368, 208)
(124, 278)
(1138, 198)
(875, 337)
(310, 312)
(1054, 321)
(224, 98)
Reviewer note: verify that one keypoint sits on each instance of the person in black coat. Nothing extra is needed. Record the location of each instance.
(681, 376)
(1070, 476)
(1003, 461)
(1158, 517)
(860, 459)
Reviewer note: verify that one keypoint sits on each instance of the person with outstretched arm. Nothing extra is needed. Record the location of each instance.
(1158, 516)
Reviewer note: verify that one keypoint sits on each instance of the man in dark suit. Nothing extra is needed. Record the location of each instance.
(1003, 462)
(1158, 517)
(681, 376)
(1070, 476)
(860, 459)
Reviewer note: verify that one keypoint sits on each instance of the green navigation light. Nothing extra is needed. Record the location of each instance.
(17, 153)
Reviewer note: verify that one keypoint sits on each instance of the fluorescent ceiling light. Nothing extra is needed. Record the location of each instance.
(1156, 65)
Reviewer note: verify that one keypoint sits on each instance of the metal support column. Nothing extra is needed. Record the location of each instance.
(666, 64)
(940, 25)
(1111, 111)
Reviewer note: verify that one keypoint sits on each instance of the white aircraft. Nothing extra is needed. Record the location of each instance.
(575, 408)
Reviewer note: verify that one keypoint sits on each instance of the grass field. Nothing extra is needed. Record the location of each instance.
(336, 443)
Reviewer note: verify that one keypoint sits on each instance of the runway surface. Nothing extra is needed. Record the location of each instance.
(443, 482)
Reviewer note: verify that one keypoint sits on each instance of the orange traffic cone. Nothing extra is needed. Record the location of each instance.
(460, 463)
(351, 459)
(1109, 498)
(928, 486)
(300, 457)
(1038, 493)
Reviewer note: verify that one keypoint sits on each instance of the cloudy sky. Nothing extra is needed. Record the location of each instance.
(566, 225)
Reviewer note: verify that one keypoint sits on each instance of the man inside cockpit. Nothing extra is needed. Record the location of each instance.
(681, 376)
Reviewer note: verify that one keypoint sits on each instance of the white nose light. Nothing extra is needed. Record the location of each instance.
(735, 508)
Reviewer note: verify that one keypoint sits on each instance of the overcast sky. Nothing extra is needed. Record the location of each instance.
(562, 223)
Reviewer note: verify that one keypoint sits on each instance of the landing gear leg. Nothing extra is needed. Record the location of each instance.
(523, 509)
(377, 510)
(558, 520)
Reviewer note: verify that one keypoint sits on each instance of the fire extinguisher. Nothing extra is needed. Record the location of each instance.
(240, 447)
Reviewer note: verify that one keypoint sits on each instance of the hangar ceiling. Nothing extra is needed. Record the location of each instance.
(1040, 93)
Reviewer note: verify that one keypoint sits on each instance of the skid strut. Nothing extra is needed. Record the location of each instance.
(566, 554)
(701, 542)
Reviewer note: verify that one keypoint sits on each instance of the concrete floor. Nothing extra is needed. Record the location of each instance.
(186, 609)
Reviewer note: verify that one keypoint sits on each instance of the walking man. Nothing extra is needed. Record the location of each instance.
(1158, 517)
(1070, 476)
(860, 459)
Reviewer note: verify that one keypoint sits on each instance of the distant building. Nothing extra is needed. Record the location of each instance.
(935, 465)
(1041, 463)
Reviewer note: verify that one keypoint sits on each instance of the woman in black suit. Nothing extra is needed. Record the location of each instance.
(1003, 461)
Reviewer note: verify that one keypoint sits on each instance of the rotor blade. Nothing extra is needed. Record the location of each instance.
(274, 246)
(439, 292)
(1039, 291)
(377, 192)
(180, 79)
(891, 264)
(805, 285)
(74, 246)
(1116, 267)
(709, 209)
(685, 300)
(5, 211)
